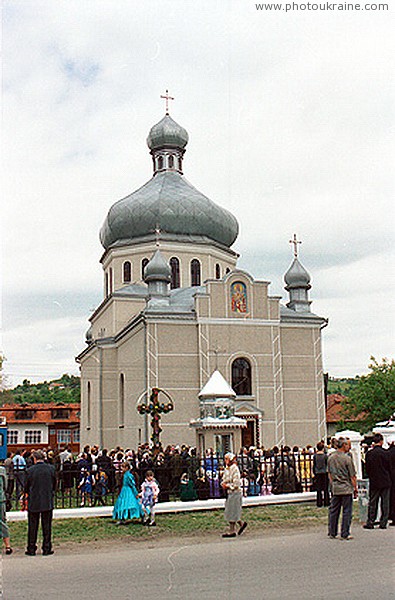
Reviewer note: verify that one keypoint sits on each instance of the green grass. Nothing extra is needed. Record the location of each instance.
(91, 529)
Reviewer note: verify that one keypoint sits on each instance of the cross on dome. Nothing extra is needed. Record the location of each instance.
(167, 98)
(295, 243)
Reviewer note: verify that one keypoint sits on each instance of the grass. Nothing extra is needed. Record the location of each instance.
(94, 529)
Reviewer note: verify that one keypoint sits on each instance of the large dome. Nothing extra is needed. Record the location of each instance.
(170, 202)
(167, 201)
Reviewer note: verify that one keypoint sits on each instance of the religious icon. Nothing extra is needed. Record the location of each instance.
(238, 293)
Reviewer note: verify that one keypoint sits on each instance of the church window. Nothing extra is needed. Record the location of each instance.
(217, 271)
(111, 281)
(227, 270)
(175, 273)
(195, 272)
(180, 164)
(241, 377)
(106, 283)
(88, 406)
(171, 161)
(144, 263)
(121, 399)
(160, 163)
(127, 272)
(238, 294)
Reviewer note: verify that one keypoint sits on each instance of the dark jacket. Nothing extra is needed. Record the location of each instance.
(377, 468)
(40, 487)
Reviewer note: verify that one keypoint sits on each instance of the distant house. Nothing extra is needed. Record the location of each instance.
(42, 425)
(334, 417)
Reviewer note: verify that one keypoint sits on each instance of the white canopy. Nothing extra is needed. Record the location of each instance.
(217, 387)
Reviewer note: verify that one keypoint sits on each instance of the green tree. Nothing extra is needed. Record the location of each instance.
(373, 398)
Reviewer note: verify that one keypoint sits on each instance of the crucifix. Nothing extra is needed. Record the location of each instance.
(295, 243)
(215, 351)
(154, 408)
(167, 98)
(157, 235)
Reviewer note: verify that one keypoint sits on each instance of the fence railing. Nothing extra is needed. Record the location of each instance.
(179, 478)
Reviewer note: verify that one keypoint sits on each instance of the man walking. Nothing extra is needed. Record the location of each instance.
(378, 472)
(342, 477)
(40, 487)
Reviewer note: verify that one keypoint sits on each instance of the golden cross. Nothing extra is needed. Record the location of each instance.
(167, 98)
(295, 243)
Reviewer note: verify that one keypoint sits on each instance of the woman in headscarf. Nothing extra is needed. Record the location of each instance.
(231, 483)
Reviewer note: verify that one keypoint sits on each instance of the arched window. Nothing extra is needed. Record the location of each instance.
(171, 162)
(175, 273)
(160, 163)
(195, 272)
(111, 281)
(217, 271)
(88, 406)
(241, 377)
(106, 283)
(144, 263)
(121, 399)
(127, 272)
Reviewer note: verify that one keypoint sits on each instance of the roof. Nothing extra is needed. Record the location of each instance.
(217, 387)
(334, 409)
(42, 413)
(168, 202)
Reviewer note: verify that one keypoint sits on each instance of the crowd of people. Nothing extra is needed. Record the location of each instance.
(139, 479)
(180, 471)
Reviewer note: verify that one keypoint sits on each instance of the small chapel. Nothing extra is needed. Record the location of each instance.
(179, 316)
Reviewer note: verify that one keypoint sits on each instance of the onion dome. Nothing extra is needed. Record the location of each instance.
(157, 269)
(168, 201)
(167, 133)
(297, 276)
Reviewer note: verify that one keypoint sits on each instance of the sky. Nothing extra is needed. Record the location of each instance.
(289, 116)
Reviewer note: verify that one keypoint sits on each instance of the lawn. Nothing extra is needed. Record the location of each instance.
(80, 531)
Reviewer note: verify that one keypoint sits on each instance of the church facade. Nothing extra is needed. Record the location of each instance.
(176, 308)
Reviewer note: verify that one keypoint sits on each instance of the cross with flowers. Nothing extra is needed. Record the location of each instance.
(155, 408)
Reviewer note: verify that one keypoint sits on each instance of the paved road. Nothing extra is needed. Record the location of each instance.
(297, 565)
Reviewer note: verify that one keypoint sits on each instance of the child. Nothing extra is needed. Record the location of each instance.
(149, 497)
(100, 490)
(86, 486)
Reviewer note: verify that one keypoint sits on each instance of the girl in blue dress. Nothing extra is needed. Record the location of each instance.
(127, 506)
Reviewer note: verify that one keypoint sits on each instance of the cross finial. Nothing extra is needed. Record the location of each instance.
(157, 234)
(295, 243)
(167, 98)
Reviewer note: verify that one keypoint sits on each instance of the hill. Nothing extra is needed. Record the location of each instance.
(64, 389)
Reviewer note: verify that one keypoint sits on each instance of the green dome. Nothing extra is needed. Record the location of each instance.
(167, 133)
(170, 202)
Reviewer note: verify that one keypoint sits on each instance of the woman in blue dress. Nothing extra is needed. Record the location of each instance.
(127, 506)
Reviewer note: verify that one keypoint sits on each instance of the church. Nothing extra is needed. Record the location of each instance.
(176, 309)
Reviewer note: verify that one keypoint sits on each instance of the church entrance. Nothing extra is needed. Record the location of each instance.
(248, 434)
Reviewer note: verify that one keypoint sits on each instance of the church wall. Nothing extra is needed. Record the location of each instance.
(125, 310)
(131, 362)
(89, 428)
(300, 384)
(208, 255)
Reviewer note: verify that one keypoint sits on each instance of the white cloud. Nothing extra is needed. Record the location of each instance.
(289, 118)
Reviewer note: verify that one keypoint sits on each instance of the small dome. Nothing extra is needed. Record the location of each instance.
(167, 133)
(297, 276)
(89, 336)
(157, 269)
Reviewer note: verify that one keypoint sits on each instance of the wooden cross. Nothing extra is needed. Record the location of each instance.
(167, 98)
(295, 243)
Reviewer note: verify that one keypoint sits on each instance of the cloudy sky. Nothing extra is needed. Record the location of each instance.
(289, 116)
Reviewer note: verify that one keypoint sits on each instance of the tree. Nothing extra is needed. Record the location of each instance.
(373, 398)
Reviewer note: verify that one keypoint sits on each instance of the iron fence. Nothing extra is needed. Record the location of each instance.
(180, 477)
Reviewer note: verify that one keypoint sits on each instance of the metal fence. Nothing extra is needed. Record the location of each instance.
(180, 477)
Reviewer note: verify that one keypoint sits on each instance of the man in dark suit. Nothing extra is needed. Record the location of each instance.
(40, 487)
(378, 472)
